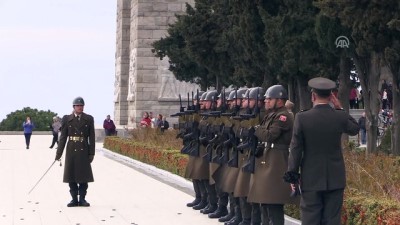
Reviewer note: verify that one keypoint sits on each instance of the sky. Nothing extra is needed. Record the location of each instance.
(52, 51)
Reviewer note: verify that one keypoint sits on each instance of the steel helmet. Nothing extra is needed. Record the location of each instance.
(211, 95)
(276, 92)
(78, 101)
(240, 94)
(256, 91)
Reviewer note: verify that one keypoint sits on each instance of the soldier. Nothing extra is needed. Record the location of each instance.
(316, 148)
(78, 129)
(250, 212)
(274, 133)
(229, 178)
(197, 167)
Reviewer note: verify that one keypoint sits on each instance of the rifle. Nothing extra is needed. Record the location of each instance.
(251, 142)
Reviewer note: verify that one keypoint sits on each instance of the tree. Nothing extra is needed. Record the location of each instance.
(41, 119)
(368, 21)
(293, 49)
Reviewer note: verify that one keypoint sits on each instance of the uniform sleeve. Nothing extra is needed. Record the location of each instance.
(352, 127)
(92, 137)
(270, 131)
(296, 147)
(63, 136)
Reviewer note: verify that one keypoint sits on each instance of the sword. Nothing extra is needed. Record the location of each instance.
(42, 176)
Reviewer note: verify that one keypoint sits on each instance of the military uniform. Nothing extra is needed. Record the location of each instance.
(316, 150)
(266, 184)
(77, 132)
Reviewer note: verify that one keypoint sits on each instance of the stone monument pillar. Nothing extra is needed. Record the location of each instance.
(122, 62)
(143, 82)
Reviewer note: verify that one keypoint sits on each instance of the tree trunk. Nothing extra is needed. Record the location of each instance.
(369, 69)
(344, 87)
(303, 93)
(395, 145)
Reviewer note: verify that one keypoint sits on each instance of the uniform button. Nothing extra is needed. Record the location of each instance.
(75, 149)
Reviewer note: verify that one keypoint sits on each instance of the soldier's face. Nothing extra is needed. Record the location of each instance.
(78, 109)
(269, 103)
(245, 103)
(207, 104)
(219, 102)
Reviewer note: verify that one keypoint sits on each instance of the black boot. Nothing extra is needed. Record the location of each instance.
(196, 201)
(237, 218)
(201, 205)
(245, 222)
(220, 212)
(210, 209)
(227, 217)
(83, 202)
(74, 201)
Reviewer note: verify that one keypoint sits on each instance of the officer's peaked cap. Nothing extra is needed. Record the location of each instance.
(322, 86)
(276, 92)
(78, 101)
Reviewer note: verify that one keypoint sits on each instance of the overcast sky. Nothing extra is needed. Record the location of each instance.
(52, 51)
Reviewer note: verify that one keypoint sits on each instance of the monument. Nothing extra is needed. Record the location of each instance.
(142, 81)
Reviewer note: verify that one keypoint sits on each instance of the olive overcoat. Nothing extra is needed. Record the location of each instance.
(79, 136)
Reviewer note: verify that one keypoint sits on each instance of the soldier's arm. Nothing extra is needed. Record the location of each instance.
(92, 137)
(63, 137)
(296, 147)
(352, 127)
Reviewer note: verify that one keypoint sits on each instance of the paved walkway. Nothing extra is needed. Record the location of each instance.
(124, 191)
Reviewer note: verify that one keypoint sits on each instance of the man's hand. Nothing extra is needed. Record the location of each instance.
(91, 157)
(58, 157)
(335, 101)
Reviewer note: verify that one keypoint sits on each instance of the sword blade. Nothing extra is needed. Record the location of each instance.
(42, 176)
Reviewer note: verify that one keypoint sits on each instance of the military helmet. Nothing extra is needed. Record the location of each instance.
(276, 91)
(256, 91)
(203, 96)
(240, 94)
(78, 101)
(226, 94)
(200, 94)
(211, 95)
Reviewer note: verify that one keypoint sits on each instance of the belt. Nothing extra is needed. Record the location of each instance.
(76, 138)
(275, 146)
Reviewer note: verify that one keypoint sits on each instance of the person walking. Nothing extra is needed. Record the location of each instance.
(28, 127)
(316, 149)
(78, 129)
(55, 130)
(109, 126)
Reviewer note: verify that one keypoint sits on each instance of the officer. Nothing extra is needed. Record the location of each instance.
(316, 148)
(78, 130)
(275, 131)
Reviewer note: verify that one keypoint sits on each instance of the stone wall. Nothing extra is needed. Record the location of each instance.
(143, 82)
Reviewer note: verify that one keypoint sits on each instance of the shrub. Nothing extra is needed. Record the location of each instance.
(373, 182)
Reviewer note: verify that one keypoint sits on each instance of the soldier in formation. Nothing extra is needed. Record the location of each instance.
(229, 138)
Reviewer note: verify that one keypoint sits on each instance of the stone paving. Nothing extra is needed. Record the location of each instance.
(124, 192)
(119, 195)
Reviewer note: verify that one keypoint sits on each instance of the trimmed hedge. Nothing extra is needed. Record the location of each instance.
(169, 160)
(362, 204)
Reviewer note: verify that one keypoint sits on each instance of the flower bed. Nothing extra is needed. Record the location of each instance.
(372, 195)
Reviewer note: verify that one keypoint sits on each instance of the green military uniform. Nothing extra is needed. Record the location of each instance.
(316, 150)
